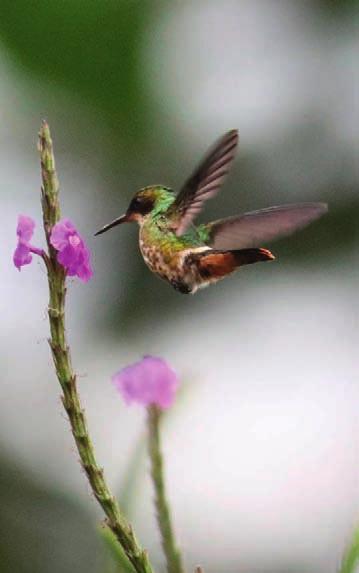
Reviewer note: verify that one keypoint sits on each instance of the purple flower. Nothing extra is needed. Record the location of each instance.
(25, 230)
(149, 381)
(73, 254)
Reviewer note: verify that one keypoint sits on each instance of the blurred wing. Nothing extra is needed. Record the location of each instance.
(259, 227)
(204, 183)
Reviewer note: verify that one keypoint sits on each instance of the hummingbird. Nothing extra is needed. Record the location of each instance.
(190, 256)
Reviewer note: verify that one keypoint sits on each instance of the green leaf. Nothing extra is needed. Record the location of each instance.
(351, 557)
(122, 563)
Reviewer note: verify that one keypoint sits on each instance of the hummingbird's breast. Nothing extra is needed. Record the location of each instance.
(165, 254)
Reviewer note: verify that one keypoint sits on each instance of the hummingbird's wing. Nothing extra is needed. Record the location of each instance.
(259, 227)
(204, 182)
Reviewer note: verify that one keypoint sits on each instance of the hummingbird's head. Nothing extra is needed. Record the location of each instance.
(153, 199)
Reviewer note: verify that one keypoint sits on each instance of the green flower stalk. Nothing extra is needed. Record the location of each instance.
(173, 556)
(56, 272)
(152, 382)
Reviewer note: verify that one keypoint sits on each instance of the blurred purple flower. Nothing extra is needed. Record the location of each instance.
(25, 230)
(73, 254)
(149, 381)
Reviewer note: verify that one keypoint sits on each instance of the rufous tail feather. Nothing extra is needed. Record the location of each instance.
(216, 264)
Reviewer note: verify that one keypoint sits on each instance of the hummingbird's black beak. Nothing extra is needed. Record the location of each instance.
(118, 221)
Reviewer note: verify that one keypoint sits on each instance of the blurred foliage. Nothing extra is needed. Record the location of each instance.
(337, 7)
(87, 47)
(351, 557)
(42, 529)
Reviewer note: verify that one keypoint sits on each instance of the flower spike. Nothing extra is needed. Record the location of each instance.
(25, 230)
(73, 254)
(151, 381)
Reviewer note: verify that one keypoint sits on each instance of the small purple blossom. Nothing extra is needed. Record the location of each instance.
(73, 254)
(149, 381)
(25, 230)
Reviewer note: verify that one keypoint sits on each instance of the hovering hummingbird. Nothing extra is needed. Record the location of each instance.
(191, 257)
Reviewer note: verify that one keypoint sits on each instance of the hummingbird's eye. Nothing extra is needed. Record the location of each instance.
(141, 205)
(135, 203)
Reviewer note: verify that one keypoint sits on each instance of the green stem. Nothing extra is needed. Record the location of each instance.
(172, 554)
(351, 557)
(65, 373)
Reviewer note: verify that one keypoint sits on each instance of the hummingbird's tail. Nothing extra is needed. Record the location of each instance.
(250, 256)
(213, 265)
